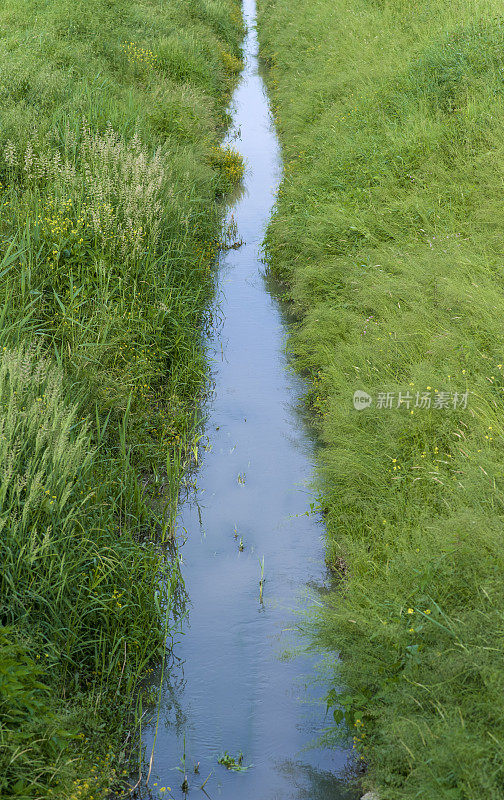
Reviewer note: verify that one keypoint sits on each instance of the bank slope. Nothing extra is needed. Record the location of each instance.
(389, 235)
(111, 173)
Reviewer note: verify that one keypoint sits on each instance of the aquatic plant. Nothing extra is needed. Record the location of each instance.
(233, 763)
(261, 580)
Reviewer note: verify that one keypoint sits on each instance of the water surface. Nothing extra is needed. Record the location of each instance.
(231, 686)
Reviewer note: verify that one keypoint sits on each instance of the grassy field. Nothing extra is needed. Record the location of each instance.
(111, 172)
(389, 237)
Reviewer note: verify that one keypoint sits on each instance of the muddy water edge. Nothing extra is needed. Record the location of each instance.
(234, 684)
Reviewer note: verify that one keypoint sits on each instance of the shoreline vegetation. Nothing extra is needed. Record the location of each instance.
(111, 181)
(388, 237)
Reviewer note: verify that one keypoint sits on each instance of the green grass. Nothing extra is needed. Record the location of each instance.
(389, 234)
(111, 176)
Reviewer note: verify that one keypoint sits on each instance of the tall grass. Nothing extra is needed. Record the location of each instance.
(389, 235)
(111, 174)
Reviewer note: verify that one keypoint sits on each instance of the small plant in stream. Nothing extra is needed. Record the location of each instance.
(232, 763)
(182, 769)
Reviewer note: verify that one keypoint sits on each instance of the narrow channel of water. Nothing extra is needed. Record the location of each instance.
(230, 687)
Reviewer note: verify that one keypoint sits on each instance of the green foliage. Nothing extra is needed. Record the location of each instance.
(233, 763)
(389, 233)
(32, 738)
(71, 580)
(112, 115)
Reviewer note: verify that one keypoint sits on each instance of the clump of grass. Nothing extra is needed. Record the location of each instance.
(229, 164)
(57, 525)
(139, 56)
(388, 235)
(232, 64)
(78, 592)
(31, 731)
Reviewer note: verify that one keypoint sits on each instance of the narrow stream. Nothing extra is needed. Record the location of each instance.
(230, 686)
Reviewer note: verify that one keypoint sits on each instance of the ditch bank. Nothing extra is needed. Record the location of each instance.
(387, 235)
(111, 176)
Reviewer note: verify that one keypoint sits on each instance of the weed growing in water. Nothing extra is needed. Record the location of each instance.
(233, 763)
(261, 581)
